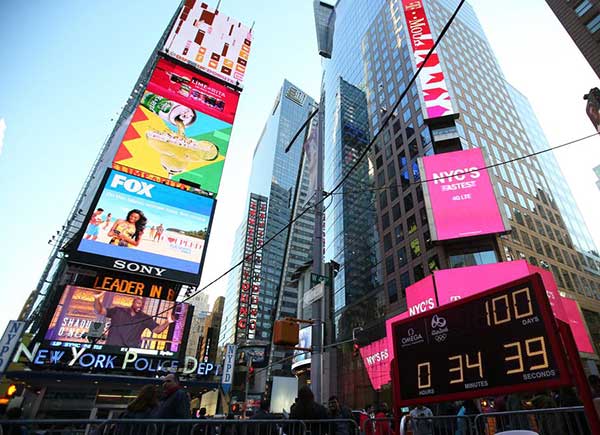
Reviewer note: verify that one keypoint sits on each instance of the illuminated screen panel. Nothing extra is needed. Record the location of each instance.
(496, 342)
(144, 227)
(181, 129)
(151, 326)
(210, 41)
(435, 91)
(459, 196)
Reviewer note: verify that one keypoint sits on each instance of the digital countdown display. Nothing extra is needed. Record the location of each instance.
(500, 341)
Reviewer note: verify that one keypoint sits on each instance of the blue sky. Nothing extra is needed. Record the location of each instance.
(68, 67)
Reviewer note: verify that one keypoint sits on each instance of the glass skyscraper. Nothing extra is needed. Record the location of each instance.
(379, 215)
(274, 177)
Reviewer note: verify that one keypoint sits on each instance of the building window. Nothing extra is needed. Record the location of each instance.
(402, 257)
(396, 212)
(389, 265)
(399, 233)
(411, 224)
(415, 248)
(387, 242)
(392, 291)
(385, 221)
(404, 282)
(408, 203)
(474, 259)
(433, 263)
(594, 25)
(583, 7)
(419, 272)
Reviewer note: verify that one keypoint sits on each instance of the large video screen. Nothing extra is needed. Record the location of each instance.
(148, 326)
(459, 196)
(144, 227)
(210, 41)
(181, 129)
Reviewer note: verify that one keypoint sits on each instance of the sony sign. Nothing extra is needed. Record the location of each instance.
(140, 268)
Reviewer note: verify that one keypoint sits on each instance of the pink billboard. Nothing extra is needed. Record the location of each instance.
(435, 91)
(420, 296)
(459, 195)
(460, 282)
(376, 357)
(582, 339)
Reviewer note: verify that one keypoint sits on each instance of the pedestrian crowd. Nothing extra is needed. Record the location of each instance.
(172, 402)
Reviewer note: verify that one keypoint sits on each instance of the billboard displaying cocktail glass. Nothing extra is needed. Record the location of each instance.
(210, 41)
(181, 129)
(149, 326)
(459, 196)
(139, 226)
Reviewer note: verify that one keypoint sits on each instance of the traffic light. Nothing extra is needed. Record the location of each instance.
(286, 333)
(11, 390)
(355, 349)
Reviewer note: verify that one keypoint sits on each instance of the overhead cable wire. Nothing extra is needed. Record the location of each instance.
(491, 166)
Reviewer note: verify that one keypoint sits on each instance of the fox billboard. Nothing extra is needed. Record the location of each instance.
(143, 227)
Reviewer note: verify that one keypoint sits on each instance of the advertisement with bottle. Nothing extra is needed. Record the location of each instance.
(181, 129)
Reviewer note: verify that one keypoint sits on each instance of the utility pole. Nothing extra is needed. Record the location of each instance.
(319, 307)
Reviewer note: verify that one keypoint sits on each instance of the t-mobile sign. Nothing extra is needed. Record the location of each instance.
(459, 196)
(435, 91)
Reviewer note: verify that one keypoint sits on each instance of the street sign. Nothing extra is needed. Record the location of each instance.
(497, 342)
(9, 342)
(228, 366)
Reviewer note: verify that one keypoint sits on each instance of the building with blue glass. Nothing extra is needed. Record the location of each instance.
(273, 180)
(379, 216)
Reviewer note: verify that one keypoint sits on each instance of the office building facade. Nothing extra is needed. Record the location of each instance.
(367, 47)
(581, 19)
(272, 187)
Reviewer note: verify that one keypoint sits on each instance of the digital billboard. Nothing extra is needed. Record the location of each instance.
(210, 41)
(180, 131)
(459, 196)
(577, 325)
(148, 326)
(376, 357)
(302, 357)
(500, 341)
(251, 268)
(132, 285)
(143, 227)
(435, 91)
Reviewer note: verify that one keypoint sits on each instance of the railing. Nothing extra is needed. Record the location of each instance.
(552, 421)
(179, 427)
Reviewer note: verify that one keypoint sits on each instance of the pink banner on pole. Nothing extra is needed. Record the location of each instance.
(460, 196)
(376, 357)
(435, 91)
(552, 291)
(420, 296)
(577, 324)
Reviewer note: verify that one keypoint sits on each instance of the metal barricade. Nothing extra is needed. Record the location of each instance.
(438, 425)
(154, 427)
(551, 421)
(379, 426)
(332, 426)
